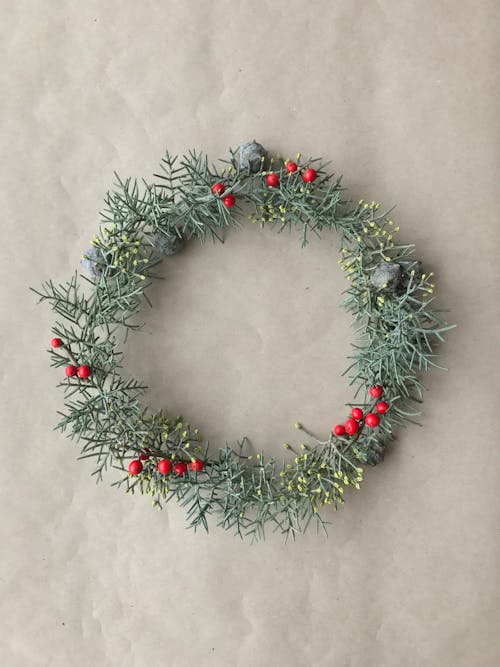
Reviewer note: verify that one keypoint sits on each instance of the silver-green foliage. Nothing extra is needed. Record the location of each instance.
(395, 334)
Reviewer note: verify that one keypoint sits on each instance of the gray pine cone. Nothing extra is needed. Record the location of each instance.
(93, 261)
(375, 453)
(386, 277)
(168, 243)
(249, 156)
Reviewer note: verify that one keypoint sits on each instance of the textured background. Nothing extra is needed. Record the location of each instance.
(400, 95)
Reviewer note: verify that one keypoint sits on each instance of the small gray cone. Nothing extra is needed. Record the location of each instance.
(168, 243)
(249, 156)
(386, 277)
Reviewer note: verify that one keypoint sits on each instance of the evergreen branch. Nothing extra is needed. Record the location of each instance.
(397, 329)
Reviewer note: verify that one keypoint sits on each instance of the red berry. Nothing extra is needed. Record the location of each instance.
(135, 467)
(376, 391)
(309, 175)
(84, 372)
(351, 426)
(196, 465)
(144, 457)
(357, 414)
(56, 342)
(165, 466)
(181, 468)
(372, 420)
(229, 201)
(218, 189)
(273, 180)
(291, 167)
(339, 430)
(71, 370)
(382, 407)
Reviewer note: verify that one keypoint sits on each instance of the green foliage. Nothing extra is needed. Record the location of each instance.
(396, 335)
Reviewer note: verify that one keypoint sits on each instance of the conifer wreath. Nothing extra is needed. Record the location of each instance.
(388, 294)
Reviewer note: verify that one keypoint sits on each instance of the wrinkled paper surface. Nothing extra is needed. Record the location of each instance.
(248, 337)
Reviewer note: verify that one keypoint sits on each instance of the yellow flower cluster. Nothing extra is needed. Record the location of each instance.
(316, 480)
(124, 252)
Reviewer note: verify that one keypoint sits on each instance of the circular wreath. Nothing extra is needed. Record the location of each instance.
(388, 294)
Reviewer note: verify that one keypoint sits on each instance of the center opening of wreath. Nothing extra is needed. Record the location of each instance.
(247, 337)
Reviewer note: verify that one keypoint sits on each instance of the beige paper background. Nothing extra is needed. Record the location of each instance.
(248, 337)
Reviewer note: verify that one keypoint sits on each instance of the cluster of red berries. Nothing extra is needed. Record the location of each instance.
(309, 175)
(352, 425)
(165, 466)
(218, 190)
(83, 371)
(272, 179)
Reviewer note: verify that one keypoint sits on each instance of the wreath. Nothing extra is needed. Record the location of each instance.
(389, 295)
